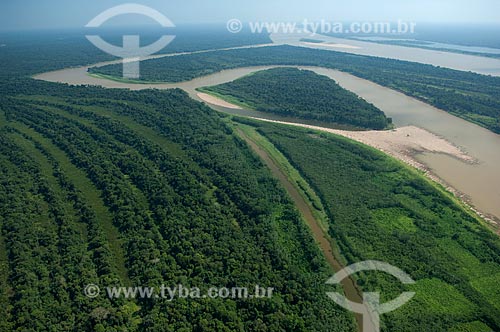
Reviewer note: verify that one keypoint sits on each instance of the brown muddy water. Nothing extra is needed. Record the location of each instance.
(464, 62)
(322, 239)
(479, 183)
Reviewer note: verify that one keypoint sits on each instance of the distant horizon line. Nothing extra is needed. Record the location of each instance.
(222, 24)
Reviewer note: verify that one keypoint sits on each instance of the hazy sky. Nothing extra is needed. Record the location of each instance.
(35, 14)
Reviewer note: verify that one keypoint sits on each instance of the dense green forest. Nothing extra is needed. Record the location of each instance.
(29, 53)
(382, 210)
(302, 94)
(123, 188)
(145, 188)
(471, 96)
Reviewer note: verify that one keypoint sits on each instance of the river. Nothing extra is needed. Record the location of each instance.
(479, 183)
(464, 62)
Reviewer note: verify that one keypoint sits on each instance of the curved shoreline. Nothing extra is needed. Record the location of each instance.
(217, 101)
(404, 110)
(439, 58)
(325, 243)
(407, 152)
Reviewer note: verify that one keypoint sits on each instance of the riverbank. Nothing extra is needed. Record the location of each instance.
(406, 144)
(217, 101)
(477, 184)
(319, 228)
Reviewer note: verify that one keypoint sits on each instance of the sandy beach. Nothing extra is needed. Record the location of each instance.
(405, 144)
(474, 183)
(402, 143)
(217, 101)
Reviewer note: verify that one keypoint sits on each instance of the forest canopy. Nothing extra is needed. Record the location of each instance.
(302, 94)
(471, 96)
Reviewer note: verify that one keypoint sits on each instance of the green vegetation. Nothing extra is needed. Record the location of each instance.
(81, 184)
(89, 175)
(293, 175)
(118, 187)
(37, 52)
(380, 209)
(471, 327)
(302, 94)
(470, 96)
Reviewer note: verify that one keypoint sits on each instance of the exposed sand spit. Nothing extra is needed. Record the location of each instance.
(405, 142)
(402, 143)
(217, 101)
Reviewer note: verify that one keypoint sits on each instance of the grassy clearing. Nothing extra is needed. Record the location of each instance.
(471, 266)
(442, 298)
(489, 287)
(393, 219)
(475, 326)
